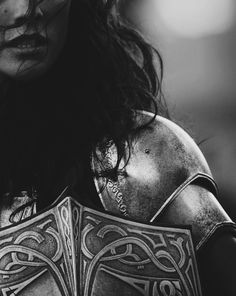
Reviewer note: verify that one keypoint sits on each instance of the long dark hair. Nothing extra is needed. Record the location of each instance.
(105, 72)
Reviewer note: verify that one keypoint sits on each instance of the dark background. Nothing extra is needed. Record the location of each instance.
(197, 41)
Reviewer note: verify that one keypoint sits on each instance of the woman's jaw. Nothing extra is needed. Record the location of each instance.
(28, 51)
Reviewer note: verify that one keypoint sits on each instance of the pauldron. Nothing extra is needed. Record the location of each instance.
(160, 210)
(166, 180)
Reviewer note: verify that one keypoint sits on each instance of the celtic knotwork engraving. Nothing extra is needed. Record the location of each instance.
(129, 241)
(28, 255)
(44, 261)
(65, 217)
(79, 251)
(75, 222)
(136, 252)
(22, 264)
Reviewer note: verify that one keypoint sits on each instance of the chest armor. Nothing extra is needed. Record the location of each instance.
(71, 250)
(141, 245)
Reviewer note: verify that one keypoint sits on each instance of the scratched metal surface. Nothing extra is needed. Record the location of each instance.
(72, 250)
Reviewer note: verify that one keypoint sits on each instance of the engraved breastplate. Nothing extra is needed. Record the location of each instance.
(71, 250)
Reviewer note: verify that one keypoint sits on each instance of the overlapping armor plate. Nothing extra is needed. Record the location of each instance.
(71, 250)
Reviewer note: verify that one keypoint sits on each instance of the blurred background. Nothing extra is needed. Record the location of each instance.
(197, 41)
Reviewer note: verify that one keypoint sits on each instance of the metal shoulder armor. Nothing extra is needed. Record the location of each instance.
(166, 180)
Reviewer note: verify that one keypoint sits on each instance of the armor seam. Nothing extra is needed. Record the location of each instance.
(175, 194)
(210, 233)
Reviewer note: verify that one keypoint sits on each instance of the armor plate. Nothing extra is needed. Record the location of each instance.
(71, 250)
(166, 180)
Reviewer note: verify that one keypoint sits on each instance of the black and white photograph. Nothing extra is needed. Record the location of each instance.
(117, 147)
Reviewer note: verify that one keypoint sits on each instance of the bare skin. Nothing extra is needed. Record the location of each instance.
(31, 37)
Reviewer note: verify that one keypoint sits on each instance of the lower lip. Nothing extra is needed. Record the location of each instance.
(29, 49)
(28, 52)
(33, 54)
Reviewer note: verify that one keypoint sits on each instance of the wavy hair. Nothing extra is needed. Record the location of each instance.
(122, 66)
(105, 73)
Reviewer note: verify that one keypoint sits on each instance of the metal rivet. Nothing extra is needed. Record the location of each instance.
(147, 151)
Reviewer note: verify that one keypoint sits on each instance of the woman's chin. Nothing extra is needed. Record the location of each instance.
(27, 70)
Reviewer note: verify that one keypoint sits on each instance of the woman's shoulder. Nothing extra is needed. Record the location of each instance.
(161, 158)
(165, 178)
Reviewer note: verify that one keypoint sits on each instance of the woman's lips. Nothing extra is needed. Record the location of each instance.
(27, 42)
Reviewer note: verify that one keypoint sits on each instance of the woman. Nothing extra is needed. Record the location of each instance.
(73, 74)
(81, 96)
